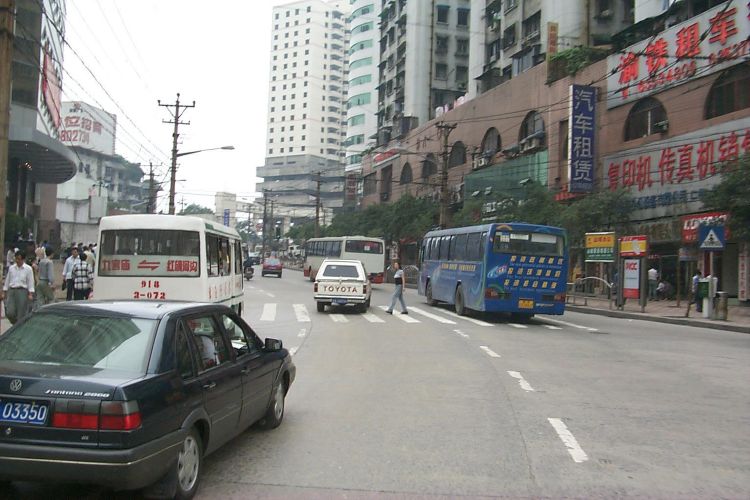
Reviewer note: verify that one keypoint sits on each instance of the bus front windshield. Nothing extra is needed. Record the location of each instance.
(526, 243)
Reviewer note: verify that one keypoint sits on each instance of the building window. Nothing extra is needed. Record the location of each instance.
(532, 128)
(359, 63)
(530, 27)
(362, 28)
(462, 47)
(458, 155)
(429, 166)
(441, 44)
(645, 118)
(509, 36)
(356, 120)
(360, 80)
(463, 18)
(406, 175)
(442, 14)
(462, 77)
(730, 92)
(491, 143)
(441, 71)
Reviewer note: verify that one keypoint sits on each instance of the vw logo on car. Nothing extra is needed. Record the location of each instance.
(15, 385)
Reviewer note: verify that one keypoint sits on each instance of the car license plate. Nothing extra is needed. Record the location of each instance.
(23, 412)
(526, 304)
(340, 301)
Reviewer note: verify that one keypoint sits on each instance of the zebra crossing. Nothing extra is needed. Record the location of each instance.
(272, 311)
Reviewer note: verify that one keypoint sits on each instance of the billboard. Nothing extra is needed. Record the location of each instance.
(631, 284)
(680, 53)
(600, 247)
(634, 246)
(581, 138)
(691, 223)
(85, 126)
(50, 85)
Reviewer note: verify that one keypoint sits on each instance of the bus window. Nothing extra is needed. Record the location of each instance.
(335, 249)
(362, 246)
(226, 258)
(473, 248)
(238, 258)
(528, 243)
(212, 255)
(165, 246)
(445, 242)
(460, 247)
(452, 247)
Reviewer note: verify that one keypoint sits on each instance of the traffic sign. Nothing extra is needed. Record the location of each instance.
(711, 237)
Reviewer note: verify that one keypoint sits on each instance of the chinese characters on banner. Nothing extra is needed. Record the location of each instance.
(631, 283)
(148, 266)
(669, 177)
(581, 133)
(744, 271)
(678, 54)
(690, 224)
(600, 247)
(88, 127)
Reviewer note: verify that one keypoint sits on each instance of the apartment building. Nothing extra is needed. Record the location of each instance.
(306, 105)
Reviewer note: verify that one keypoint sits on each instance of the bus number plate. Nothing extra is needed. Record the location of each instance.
(526, 304)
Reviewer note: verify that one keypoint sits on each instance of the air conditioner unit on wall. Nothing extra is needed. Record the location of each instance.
(532, 144)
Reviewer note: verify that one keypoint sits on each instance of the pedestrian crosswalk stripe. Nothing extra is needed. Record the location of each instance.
(403, 317)
(372, 318)
(301, 312)
(339, 318)
(552, 327)
(432, 316)
(517, 325)
(466, 318)
(269, 312)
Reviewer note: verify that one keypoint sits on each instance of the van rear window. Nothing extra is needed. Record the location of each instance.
(341, 271)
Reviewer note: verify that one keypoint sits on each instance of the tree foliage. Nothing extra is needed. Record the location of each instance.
(732, 195)
(194, 208)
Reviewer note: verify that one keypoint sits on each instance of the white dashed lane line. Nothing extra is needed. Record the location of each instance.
(292, 351)
(301, 312)
(522, 381)
(269, 312)
(517, 325)
(565, 323)
(437, 318)
(552, 327)
(466, 318)
(462, 334)
(489, 351)
(302, 333)
(575, 450)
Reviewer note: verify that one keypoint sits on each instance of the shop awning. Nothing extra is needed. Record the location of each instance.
(51, 161)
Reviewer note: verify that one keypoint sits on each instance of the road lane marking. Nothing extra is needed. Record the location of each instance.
(301, 312)
(517, 325)
(372, 318)
(403, 317)
(432, 316)
(569, 440)
(339, 318)
(552, 327)
(270, 295)
(489, 351)
(466, 318)
(580, 327)
(269, 312)
(293, 351)
(522, 381)
(461, 334)
(302, 333)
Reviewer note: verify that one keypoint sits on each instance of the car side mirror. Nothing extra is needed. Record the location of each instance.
(273, 345)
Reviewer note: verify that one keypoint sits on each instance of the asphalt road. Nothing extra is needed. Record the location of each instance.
(433, 405)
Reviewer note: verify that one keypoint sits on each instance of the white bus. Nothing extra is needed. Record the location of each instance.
(168, 257)
(370, 251)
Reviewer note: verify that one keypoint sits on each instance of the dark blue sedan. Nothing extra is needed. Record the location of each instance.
(133, 394)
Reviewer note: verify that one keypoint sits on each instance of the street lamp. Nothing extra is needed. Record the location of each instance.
(173, 170)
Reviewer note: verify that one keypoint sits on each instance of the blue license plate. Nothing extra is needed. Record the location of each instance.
(23, 412)
(340, 301)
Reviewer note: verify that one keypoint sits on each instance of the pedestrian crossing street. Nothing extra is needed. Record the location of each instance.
(272, 311)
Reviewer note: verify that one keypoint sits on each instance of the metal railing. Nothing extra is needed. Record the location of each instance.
(574, 286)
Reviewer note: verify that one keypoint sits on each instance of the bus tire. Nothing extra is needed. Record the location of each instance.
(459, 301)
(321, 306)
(428, 295)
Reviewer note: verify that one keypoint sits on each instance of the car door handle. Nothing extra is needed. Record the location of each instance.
(209, 385)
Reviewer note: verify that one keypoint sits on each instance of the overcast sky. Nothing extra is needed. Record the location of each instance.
(216, 53)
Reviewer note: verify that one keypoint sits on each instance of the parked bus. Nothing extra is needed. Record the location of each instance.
(370, 251)
(521, 269)
(168, 257)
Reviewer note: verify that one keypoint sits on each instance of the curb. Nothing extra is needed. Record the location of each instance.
(660, 319)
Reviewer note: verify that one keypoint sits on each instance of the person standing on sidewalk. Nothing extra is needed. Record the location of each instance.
(398, 293)
(67, 274)
(18, 289)
(83, 279)
(45, 293)
(653, 281)
(694, 289)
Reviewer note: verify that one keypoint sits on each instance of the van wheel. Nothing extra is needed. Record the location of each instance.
(428, 294)
(321, 306)
(459, 303)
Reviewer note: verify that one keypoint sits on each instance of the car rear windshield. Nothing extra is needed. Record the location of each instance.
(273, 262)
(340, 271)
(113, 343)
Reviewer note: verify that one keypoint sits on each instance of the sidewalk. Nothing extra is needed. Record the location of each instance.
(663, 311)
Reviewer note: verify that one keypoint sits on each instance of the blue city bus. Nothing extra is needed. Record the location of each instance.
(520, 269)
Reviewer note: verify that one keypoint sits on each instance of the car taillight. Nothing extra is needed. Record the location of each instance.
(316, 287)
(364, 289)
(120, 416)
(75, 420)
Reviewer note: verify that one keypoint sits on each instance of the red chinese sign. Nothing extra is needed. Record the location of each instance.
(678, 54)
(690, 224)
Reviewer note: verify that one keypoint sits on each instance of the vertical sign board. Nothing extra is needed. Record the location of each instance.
(710, 238)
(552, 30)
(226, 217)
(600, 247)
(631, 284)
(581, 138)
(744, 272)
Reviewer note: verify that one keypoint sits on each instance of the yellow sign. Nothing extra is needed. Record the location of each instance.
(525, 304)
(600, 240)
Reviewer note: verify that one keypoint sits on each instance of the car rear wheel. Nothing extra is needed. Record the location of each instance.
(459, 305)
(275, 413)
(428, 295)
(321, 307)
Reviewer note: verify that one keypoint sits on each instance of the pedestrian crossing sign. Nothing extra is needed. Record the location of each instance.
(711, 237)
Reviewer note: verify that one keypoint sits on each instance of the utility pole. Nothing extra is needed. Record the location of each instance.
(317, 205)
(151, 207)
(7, 12)
(176, 115)
(265, 221)
(445, 131)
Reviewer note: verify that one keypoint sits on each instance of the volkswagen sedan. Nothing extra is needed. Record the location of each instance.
(133, 394)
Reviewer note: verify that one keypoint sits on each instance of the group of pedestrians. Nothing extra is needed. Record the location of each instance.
(30, 278)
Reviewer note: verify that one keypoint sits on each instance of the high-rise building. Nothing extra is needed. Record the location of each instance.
(306, 106)
(424, 61)
(361, 117)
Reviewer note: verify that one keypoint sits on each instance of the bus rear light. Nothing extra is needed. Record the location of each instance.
(559, 297)
(377, 278)
(491, 293)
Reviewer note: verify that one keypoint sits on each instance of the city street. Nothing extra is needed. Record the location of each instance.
(431, 404)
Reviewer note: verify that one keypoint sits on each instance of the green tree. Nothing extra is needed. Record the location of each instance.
(194, 208)
(732, 195)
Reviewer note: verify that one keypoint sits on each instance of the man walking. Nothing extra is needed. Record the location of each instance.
(45, 293)
(67, 274)
(694, 289)
(398, 293)
(18, 289)
(83, 279)
(653, 281)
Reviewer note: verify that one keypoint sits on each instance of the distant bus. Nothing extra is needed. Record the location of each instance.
(370, 251)
(168, 257)
(521, 269)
